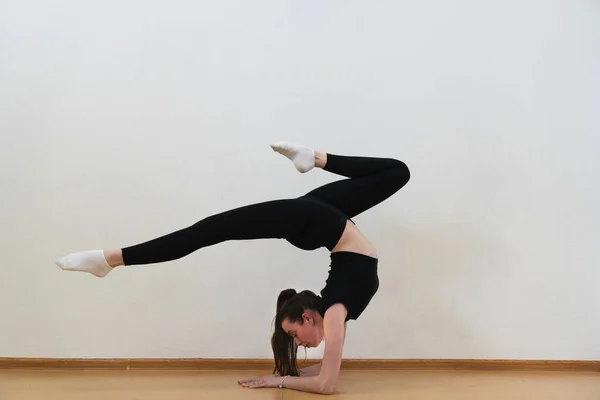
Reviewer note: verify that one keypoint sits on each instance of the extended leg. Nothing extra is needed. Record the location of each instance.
(278, 219)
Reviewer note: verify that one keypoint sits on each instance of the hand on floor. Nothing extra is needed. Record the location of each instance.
(268, 381)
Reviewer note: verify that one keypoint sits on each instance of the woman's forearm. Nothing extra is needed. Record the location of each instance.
(312, 384)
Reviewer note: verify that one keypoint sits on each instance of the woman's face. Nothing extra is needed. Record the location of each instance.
(307, 333)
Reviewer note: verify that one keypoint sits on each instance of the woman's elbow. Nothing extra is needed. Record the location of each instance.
(327, 387)
(328, 390)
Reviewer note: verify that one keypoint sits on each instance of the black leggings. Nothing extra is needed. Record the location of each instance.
(314, 220)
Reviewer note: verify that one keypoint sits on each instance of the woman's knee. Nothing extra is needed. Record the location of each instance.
(401, 173)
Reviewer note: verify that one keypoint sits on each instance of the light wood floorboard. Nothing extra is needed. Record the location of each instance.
(354, 385)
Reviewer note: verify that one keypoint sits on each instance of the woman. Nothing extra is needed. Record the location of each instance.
(320, 218)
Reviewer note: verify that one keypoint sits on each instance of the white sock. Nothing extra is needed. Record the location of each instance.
(303, 157)
(91, 261)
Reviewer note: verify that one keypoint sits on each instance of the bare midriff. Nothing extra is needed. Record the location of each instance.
(353, 240)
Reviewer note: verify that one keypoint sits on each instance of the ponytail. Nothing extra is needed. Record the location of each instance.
(290, 306)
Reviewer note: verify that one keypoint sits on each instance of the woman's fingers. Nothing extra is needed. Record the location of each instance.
(252, 383)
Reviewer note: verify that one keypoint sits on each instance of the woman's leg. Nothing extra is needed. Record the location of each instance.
(278, 219)
(371, 180)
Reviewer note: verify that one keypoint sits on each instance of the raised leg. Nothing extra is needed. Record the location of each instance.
(371, 180)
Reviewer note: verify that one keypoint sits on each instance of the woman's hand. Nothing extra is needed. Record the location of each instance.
(267, 381)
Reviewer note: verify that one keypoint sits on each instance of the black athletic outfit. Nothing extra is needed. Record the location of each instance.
(314, 220)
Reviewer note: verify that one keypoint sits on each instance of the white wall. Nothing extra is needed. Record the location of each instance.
(124, 120)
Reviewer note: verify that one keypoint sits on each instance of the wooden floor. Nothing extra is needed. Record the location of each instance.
(355, 385)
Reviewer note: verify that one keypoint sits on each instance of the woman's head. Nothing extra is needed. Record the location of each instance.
(297, 323)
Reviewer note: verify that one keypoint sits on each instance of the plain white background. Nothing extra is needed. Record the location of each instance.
(124, 120)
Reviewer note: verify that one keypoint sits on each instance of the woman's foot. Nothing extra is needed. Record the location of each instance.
(303, 157)
(95, 262)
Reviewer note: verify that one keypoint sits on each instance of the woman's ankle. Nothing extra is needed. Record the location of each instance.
(114, 258)
(320, 159)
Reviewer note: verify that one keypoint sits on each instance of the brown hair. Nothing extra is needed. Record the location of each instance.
(290, 306)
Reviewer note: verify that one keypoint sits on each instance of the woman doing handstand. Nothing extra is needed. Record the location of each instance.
(320, 218)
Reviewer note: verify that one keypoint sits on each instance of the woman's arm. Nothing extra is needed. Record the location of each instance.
(335, 331)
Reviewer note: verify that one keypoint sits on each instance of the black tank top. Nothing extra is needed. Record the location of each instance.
(352, 281)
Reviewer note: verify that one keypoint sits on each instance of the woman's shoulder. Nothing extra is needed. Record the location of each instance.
(336, 312)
